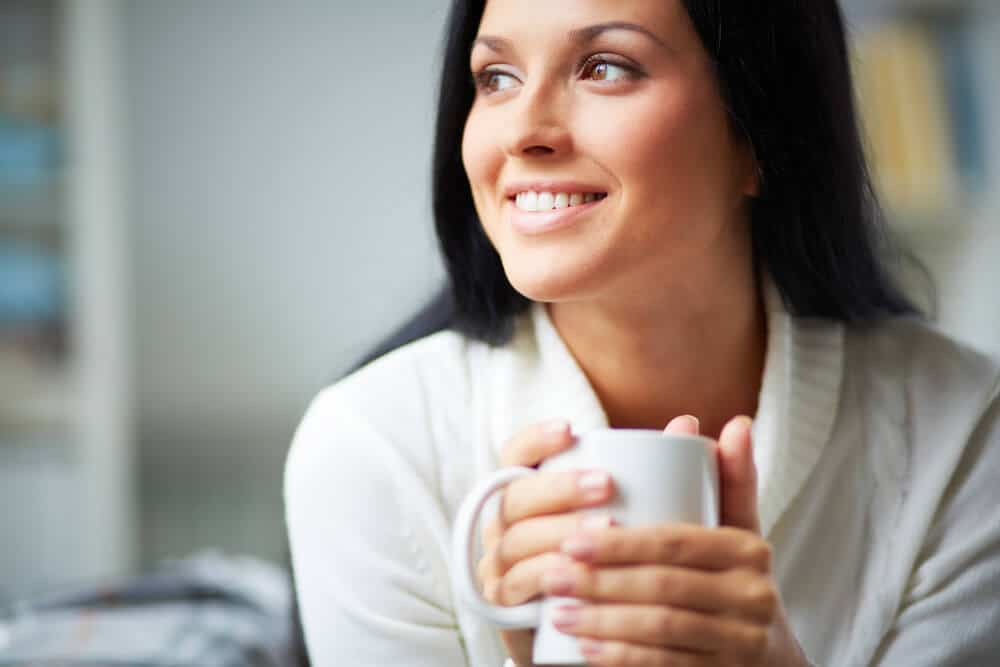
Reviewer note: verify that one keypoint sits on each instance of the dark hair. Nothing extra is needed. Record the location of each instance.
(784, 74)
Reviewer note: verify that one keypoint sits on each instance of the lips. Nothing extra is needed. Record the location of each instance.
(537, 222)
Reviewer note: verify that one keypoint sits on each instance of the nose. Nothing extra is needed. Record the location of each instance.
(538, 125)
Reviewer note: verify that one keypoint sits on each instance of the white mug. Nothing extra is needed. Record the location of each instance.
(658, 477)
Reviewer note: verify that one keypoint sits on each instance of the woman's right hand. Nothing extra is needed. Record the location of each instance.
(536, 514)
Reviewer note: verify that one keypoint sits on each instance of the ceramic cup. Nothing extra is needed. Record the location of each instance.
(659, 478)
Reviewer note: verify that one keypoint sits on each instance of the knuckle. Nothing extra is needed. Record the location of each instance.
(663, 624)
(516, 451)
(757, 553)
(665, 585)
(508, 507)
(668, 545)
(483, 571)
(492, 530)
(614, 654)
(755, 640)
(586, 582)
(491, 590)
(503, 554)
(764, 598)
(514, 590)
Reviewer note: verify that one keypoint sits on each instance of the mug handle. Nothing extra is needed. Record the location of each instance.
(463, 552)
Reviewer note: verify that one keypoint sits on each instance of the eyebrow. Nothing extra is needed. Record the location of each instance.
(580, 35)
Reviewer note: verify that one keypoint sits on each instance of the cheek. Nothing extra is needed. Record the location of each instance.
(672, 152)
(480, 157)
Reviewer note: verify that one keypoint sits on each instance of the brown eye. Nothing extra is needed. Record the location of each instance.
(602, 70)
(494, 81)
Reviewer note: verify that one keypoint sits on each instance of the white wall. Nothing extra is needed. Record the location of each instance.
(280, 160)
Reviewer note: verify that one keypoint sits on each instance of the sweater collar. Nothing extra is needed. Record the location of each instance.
(796, 409)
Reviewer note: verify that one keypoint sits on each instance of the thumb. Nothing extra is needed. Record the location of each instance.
(738, 476)
(684, 424)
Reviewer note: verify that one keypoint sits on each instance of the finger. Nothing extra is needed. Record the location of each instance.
(661, 626)
(536, 443)
(676, 544)
(488, 568)
(599, 653)
(523, 581)
(554, 493)
(492, 531)
(688, 424)
(532, 537)
(738, 476)
(741, 593)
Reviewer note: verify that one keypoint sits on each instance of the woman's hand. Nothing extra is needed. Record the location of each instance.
(680, 594)
(536, 515)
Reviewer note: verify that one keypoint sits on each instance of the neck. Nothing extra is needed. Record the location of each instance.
(649, 362)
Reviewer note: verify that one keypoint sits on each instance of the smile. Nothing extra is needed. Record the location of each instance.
(551, 201)
(532, 213)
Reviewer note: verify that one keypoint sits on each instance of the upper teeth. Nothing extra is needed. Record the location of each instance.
(546, 201)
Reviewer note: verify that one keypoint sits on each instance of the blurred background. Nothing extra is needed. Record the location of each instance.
(210, 209)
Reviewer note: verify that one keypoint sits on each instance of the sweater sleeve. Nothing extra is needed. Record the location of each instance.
(951, 613)
(361, 522)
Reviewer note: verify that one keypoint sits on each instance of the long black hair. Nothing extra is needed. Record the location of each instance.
(784, 75)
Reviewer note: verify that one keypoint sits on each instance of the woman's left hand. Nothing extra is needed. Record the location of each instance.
(680, 594)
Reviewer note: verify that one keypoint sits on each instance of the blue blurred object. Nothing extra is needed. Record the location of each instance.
(964, 98)
(32, 289)
(29, 152)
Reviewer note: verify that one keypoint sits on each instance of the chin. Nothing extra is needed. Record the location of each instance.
(546, 283)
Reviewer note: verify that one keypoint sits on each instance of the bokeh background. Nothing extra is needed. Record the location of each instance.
(210, 208)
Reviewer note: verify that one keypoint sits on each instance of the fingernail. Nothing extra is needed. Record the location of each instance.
(565, 617)
(557, 582)
(596, 522)
(579, 547)
(555, 428)
(594, 484)
(590, 648)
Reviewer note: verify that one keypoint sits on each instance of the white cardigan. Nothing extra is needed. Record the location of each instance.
(879, 467)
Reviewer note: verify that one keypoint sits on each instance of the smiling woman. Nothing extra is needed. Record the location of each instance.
(657, 214)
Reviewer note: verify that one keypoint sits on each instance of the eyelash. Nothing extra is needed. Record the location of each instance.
(483, 77)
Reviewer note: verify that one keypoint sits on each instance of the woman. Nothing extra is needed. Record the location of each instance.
(658, 213)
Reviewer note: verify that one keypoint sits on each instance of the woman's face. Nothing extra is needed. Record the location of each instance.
(600, 155)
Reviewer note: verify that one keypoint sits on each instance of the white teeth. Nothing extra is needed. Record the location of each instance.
(547, 201)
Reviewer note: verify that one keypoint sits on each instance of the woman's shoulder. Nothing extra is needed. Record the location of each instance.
(935, 397)
(436, 370)
(387, 420)
(440, 362)
(924, 359)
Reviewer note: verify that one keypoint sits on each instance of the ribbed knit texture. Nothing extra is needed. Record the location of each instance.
(878, 451)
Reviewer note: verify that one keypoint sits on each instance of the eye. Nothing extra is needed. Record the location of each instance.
(598, 68)
(491, 81)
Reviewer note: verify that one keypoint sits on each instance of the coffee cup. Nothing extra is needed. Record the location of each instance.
(659, 478)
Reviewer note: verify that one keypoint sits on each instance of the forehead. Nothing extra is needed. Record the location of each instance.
(547, 14)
